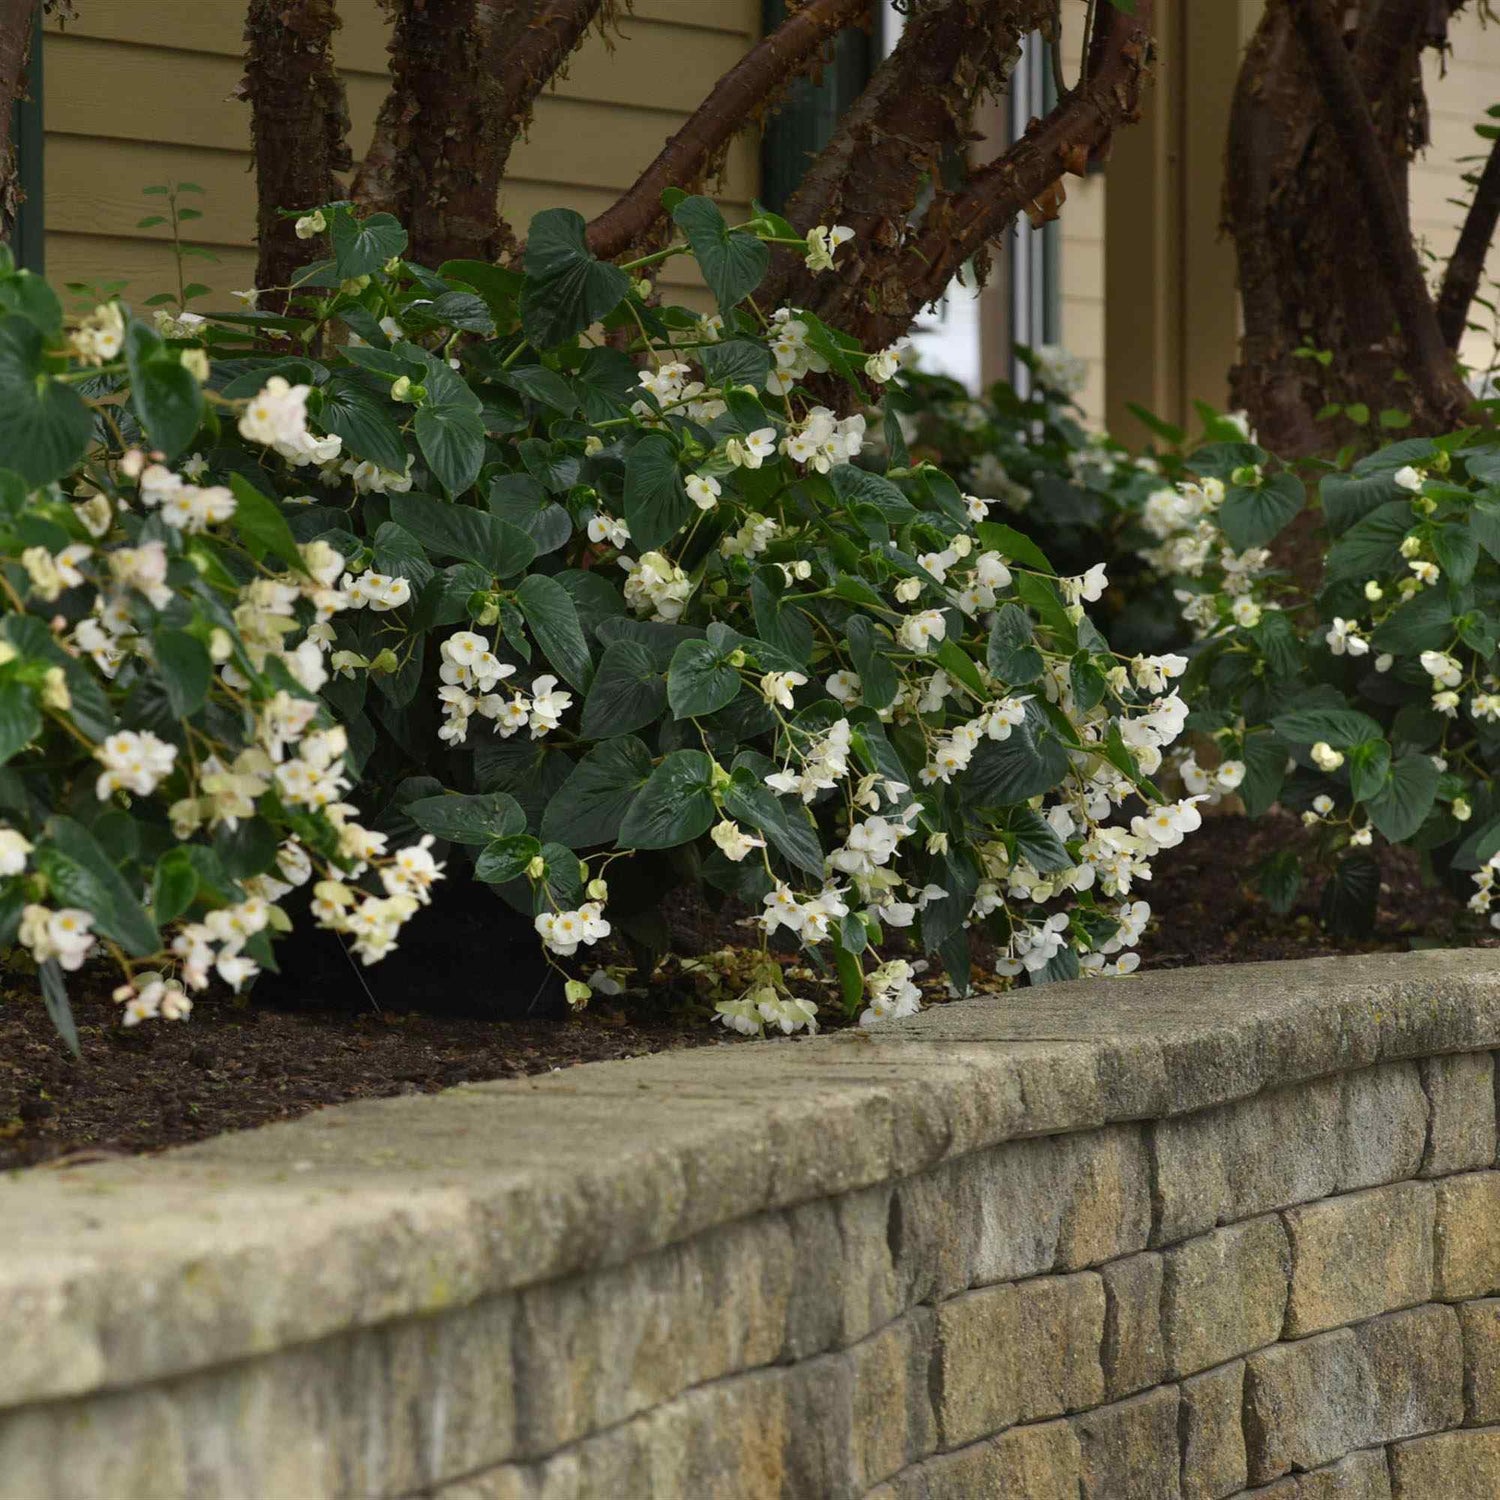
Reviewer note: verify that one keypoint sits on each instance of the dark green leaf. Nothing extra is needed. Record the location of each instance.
(1350, 895)
(591, 804)
(627, 693)
(553, 620)
(44, 424)
(733, 262)
(166, 396)
(1423, 623)
(700, 680)
(1281, 880)
(174, 883)
(879, 682)
(81, 874)
(454, 530)
(364, 421)
(1348, 498)
(1265, 758)
(1251, 517)
(1369, 768)
(674, 807)
(656, 504)
(360, 248)
(20, 718)
(1032, 760)
(473, 819)
(566, 288)
(185, 669)
(506, 859)
(736, 362)
(451, 437)
(1402, 806)
(748, 800)
(1339, 727)
(59, 1011)
(1037, 841)
(261, 525)
(1011, 657)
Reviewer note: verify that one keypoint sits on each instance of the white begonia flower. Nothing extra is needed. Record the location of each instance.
(1229, 774)
(740, 1015)
(703, 490)
(1362, 838)
(1086, 589)
(733, 840)
(921, 632)
(606, 529)
(1427, 573)
(844, 687)
(14, 848)
(1485, 707)
(1325, 757)
(776, 687)
(1384, 662)
(1408, 478)
(751, 451)
(276, 414)
(134, 761)
(990, 570)
(547, 706)
(64, 935)
(1444, 670)
(1322, 804)
(311, 225)
(1446, 703)
(99, 337)
(1062, 371)
(565, 931)
(1151, 673)
(884, 363)
(656, 584)
(1246, 612)
(822, 242)
(1343, 636)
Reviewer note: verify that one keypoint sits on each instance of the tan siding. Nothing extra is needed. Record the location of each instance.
(1082, 253)
(138, 93)
(1438, 195)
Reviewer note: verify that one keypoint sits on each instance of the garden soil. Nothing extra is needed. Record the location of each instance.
(468, 1000)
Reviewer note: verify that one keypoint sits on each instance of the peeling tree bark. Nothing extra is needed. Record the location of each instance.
(891, 147)
(1315, 268)
(912, 269)
(299, 126)
(17, 20)
(465, 76)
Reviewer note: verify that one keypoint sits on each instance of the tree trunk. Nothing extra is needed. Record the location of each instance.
(299, 126)
(1329, 315)
(17, 19)
(465, 75)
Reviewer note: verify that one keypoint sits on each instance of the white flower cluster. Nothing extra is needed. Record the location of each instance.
(821, 440)
(277, 417)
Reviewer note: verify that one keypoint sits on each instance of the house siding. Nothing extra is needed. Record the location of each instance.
(137, 94)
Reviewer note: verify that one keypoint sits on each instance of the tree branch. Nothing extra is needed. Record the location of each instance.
(465, 76)
(794, 47)
(1083, 122)
(17, 19)
(1466, 265)
(298, 125)
(1390, 234)
(893, 146)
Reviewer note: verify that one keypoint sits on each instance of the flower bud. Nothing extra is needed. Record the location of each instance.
(577, 993)
(385, 662)
(597, 889)
(1373, 591)
(537, 868)
(401, 388)
(1461, 809)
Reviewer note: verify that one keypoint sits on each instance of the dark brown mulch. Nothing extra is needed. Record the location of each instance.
(466, 1000)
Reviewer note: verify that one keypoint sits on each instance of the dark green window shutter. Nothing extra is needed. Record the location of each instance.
(805, 122)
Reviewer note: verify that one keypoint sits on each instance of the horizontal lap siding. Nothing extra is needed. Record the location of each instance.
(1082, 253)
(1458, 102)
(138, 94)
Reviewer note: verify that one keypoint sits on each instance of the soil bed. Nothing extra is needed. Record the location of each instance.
(468, 1002)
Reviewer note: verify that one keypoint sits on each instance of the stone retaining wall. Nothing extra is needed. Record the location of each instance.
(1204, 1234)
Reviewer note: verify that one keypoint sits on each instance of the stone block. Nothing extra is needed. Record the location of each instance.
(1467, 1243)
(1416, 1360)
(1133, 1355)
(1038, 1462)
(1307, 1404)
(1383, 1118)
(1286, 1147)
(1448, 1466)
(1461, 1100)
(1359, 1255)
(1018, 1353)
(1211, 1433)
(1057, 1203)
(592, 1351)
(892, 1423)
(1241, 1159)
(845, 1286)
(1360, 1476)
(1480, 1324)
(1224, 1294)
(1130, 1448)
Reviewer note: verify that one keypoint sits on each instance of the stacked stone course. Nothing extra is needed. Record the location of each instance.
(1290, 1293)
